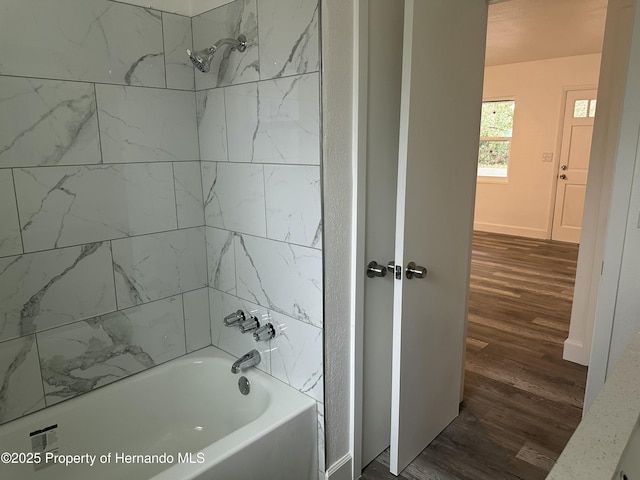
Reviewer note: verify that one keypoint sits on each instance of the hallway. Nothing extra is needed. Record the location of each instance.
(521, 402)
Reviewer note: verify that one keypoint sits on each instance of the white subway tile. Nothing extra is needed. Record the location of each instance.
(221, 260)
(44, 122)
(96, 41)
(212, 127)
(46, 289)
(146, 124)
(20, 378)
(294, 212)
(189, 202)
(63, 206)
(234, 197)
(177, 39)
(154, 266)
(196, 319)
(10, 241)
(85, 355)
(282, 277)
(228, 21)
(288, 37)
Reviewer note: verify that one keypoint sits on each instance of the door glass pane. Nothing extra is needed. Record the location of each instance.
(580, 108)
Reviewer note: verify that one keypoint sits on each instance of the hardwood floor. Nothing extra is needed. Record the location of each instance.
(521, 402)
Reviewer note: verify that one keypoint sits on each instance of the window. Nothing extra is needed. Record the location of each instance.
(584, 108)
(496, 126)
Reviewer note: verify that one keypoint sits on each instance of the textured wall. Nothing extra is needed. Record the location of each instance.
(337, 87)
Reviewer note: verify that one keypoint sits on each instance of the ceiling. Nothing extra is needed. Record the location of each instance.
(526, 30)
(189, 8)
(518, 30)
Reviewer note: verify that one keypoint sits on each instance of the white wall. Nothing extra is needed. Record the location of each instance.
(521, 204)
(613, 74)
(337, 168)
(626, 321)
(618, 309)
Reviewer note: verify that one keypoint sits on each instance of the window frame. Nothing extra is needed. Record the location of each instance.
(491, 178)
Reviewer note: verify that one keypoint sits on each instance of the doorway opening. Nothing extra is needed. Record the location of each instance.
(521, 401)
(519, 392)
(528, 223)
(526, 278)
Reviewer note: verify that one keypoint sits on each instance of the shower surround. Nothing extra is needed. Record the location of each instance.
(139, 203)
(259, 128)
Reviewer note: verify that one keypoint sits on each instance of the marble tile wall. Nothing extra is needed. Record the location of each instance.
(258, 116)
(121, 172)
(102, 236)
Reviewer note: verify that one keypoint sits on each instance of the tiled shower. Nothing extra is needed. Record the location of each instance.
(140, 203)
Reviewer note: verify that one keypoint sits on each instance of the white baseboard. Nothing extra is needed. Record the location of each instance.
(341, 470)
(511, 230)
(575, 352)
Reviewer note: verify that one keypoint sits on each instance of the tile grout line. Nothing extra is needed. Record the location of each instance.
(226, 122)
(162, 232)
(175, 195)
(204, 216)
(89, 82)
(113, 275)
(95, 96)
(184, 323)
(164, 49)
(15, 195)
(156, 162)
(44, 396)
(75, 245)
(264, 191)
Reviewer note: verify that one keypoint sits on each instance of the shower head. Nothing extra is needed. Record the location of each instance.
(202, 58)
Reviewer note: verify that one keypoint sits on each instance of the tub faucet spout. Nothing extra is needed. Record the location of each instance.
(250, 359)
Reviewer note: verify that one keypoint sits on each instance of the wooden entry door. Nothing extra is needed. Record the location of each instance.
(573, 167)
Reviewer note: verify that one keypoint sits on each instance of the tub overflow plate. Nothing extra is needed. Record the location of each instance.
(244, 385)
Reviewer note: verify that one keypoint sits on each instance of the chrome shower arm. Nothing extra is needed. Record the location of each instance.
(202, 58)
(239, 43)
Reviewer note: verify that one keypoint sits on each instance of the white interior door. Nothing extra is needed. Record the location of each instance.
(577, 130)
(383, 120)
(443, 66)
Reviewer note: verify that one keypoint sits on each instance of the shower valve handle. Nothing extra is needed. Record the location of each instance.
(234, 318)
(264, 333)
(250, 324)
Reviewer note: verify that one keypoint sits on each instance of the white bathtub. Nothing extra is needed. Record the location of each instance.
(191, 405)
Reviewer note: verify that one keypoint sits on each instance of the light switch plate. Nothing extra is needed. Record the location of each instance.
(547, 157)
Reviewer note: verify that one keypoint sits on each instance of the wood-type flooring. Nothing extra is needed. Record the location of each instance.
(522, 402)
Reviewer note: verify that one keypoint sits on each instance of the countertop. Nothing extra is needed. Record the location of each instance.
(594, 450)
